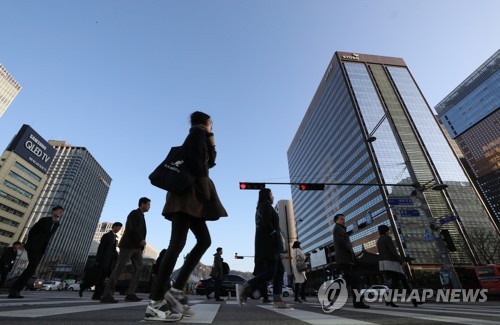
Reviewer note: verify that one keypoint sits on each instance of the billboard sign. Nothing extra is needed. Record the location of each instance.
(409, 213)
(404, 201)
(30, 146)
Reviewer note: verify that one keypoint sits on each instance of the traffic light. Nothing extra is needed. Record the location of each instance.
(251, 186)
(236, 257)
(311, 187)
(445, 234)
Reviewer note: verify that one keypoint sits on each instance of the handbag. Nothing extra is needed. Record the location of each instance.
(172, 175)
(300, 264)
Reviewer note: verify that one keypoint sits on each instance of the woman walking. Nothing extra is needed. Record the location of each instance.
(390, 263)
(187, 211)
(268, 249)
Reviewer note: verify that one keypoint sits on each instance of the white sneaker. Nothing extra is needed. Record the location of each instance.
(179, 302)
(160, 311)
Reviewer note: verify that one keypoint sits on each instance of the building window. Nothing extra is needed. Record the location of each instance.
(22, 180)
(28, 172)
(11, 210)
(6, 233)
(9, 222)
(13, 199)
(17, 189)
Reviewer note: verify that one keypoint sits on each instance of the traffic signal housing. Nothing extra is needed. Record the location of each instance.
(311, 187)
(236, 257)
(252, 186)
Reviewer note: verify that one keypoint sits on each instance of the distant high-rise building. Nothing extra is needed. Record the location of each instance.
(471, 115)
(80, 185)
(369, 124)
(284, 208)
(9, 88)
(23, 172)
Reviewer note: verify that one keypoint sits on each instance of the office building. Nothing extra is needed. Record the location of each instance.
(471, 115)
(368, 123)
(77, 182)
(284, 208)
(9, 88)
(23, 172)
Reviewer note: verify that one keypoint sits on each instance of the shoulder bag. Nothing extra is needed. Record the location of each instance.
(172, 174)
(300, 264)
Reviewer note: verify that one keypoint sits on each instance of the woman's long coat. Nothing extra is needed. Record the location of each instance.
(201, 199)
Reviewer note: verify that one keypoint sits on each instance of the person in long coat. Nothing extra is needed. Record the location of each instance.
(345, 259)
(299, 277)
(188, 211)
(9, 255)
(390, 263)
(104, 263)
(38, 240)
(217, 273)
(268, 248)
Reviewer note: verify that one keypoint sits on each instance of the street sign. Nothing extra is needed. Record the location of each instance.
(428, 235)
(447, 219)
(401, 201)
(409, 213)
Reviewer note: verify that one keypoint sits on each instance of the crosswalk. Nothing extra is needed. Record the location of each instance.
(46, 307)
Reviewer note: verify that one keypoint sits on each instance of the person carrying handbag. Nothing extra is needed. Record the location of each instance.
(299, 277)
(187, 211)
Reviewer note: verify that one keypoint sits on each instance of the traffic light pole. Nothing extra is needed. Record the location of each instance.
(339, 184)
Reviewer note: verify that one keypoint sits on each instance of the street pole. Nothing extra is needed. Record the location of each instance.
(443, 251)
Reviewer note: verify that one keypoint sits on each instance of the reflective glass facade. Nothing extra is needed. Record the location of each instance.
(330, 147)
(474, 99)
(471, 114)
(362, 97)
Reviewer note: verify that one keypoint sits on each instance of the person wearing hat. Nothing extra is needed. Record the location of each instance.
(38, 240)
(390, 263)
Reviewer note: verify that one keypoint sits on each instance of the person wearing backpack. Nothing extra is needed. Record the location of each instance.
(218, 273)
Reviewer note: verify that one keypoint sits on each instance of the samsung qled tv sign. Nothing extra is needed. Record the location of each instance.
(30, 146)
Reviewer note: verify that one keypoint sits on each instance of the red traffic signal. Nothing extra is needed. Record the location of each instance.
(311, 187)
(252, 186)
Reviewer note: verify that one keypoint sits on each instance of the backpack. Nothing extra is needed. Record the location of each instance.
(225, 268)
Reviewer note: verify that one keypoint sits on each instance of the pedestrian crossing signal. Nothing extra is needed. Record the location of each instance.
(311, 187)
(252, 186)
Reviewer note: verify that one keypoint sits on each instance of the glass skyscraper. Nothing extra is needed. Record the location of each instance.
(471, 115)
(9, 88)
(77, 182)
(368, 123)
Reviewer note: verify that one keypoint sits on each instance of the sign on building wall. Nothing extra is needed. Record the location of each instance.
(30, 146)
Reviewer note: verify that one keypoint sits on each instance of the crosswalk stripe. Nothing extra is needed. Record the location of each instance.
(203, 314)
(41, 312)
(448, 319)
(315, 318)
(473, 308)
(39, 302)
(457, 310)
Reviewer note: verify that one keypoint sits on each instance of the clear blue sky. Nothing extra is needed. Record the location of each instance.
(122, 77)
